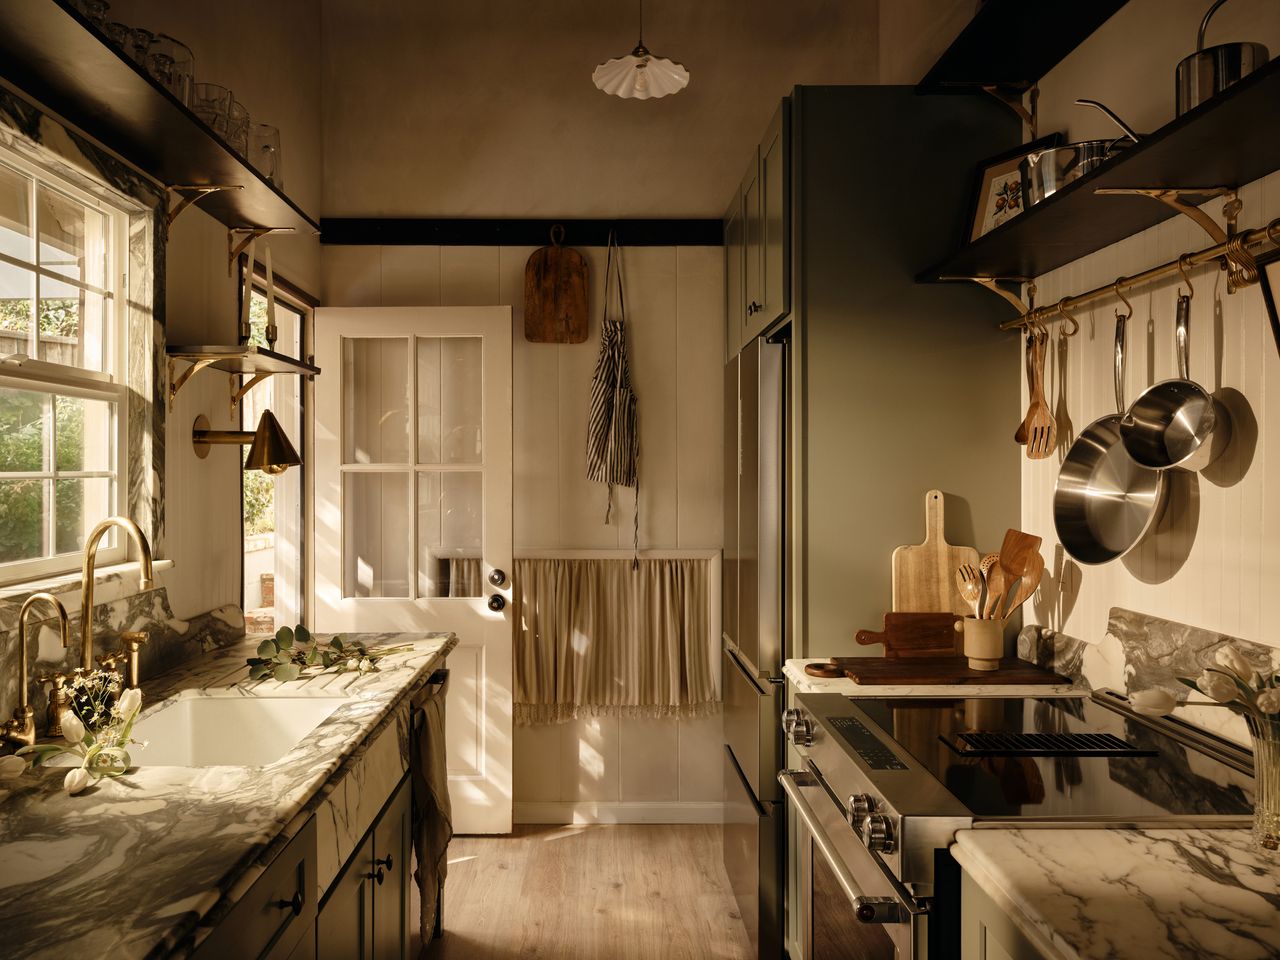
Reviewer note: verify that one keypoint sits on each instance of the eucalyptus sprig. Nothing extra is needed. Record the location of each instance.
(292, 651)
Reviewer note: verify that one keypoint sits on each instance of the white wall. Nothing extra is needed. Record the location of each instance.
(1215, 561)
(268, 55)
(599, 768)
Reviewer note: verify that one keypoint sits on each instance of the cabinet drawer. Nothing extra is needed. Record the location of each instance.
(276, 912)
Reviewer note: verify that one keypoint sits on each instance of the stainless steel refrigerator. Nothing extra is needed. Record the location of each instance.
(753, 643)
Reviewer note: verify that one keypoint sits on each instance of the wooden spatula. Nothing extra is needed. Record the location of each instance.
(1020, 435)
(1016, 552)
(1042, 429)
(1027, 586)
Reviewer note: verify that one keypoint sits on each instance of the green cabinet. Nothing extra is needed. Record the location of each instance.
(757, 239)
(365, 914)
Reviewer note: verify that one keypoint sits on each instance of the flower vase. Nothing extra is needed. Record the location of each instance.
(1266, 774)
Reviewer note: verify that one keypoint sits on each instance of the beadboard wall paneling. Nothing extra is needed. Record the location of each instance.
(600, 767)
(1214, 561)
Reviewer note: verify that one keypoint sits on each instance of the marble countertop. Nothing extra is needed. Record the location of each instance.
(794, 671)
(1130, 894)
(129, 867)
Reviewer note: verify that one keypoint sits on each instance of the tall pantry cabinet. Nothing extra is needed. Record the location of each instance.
(892, 387)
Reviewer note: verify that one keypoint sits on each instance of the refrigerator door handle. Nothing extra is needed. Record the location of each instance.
(746, 787)
(750, 677)
(777, 681)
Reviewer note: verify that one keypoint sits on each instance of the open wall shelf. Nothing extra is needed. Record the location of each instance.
(1013, 43)
(48, 51)
(1226, 142)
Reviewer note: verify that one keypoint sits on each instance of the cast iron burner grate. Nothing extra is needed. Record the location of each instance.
(998, 744)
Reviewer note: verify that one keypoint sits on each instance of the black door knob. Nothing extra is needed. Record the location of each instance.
(497, 576)
(497, 602)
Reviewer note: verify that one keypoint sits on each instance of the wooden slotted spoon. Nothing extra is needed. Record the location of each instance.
(993, 579)
(1042, 429)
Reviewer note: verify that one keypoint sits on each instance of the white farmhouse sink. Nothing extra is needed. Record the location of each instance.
(203, 731)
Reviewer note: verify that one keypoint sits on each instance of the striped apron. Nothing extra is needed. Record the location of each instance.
(613, 441)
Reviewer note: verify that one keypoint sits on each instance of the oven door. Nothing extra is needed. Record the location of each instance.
(851, 908)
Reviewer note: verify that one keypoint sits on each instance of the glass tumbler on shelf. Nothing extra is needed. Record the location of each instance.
(211, 102)
(121, 34)
(238, 128)
(264, 152)
(173, 65)
(95, 11)
(139, 43)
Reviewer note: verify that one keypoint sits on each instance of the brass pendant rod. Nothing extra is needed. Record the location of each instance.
(1218, 251)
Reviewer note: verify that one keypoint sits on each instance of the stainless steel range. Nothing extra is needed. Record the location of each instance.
(887, 783)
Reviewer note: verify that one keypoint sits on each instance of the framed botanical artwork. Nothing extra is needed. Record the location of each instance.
(997, 191)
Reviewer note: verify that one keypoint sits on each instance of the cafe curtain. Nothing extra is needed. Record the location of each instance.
(599, 638)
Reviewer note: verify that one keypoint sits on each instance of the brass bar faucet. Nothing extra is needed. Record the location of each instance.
(145, 582)
(21, 730)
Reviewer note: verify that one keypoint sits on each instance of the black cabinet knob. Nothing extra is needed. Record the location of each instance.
(384, 862)
(497, 576)
(378, 875)
(497, 602)
(294, 905)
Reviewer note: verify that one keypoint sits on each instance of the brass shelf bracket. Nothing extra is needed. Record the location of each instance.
(249, 234)
(1011, 97)
(993, 284)
(178, 382)
(189, 193)
(1238, 262)
(238, 391)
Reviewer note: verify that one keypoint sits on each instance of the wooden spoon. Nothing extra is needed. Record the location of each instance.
(969, 583)
(1028, 585)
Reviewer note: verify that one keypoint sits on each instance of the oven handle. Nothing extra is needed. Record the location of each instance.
(790, 780)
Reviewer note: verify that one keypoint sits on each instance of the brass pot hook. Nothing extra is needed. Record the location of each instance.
(1182, 269)
(1119, 284)
(1075, 324)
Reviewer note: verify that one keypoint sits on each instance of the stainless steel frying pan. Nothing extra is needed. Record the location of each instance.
(1104, 503)
(1176, 423)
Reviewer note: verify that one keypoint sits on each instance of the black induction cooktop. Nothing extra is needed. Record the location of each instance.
(1058, 757)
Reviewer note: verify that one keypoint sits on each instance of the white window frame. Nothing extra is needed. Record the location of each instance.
(24, 373)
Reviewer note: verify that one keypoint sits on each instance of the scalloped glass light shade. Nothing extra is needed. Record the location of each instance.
(640, 76)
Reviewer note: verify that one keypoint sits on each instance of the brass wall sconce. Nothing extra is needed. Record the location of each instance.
(269, 448)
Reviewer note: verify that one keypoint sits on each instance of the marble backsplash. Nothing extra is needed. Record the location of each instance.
(118, 608)
(1139, 651)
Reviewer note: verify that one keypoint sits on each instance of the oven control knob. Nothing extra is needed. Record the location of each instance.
(877, 833)
(861, 805)
(789, 718)
(802, 732)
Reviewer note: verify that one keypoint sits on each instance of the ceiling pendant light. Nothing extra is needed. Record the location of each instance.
(640, 75)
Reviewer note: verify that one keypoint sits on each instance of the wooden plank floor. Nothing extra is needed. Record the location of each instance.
(599, 892)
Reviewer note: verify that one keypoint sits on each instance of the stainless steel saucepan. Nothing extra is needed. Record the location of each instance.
(1206, 73)
(1104, 503)
(1176, 423)
(1046, 172)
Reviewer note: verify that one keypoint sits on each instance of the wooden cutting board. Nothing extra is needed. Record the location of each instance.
(885, 671)
(555, 294)
(917, 635)
(924, 575)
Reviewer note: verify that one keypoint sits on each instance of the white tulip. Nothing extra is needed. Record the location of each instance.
(1269, 701)
(72, 728)
(128, 703)
(1231, 658)
(1154, 702)
(75, 780)
(1216, 686)
(12, 767)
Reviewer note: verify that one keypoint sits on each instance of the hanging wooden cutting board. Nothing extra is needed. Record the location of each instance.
(924, 575)
(555, 293)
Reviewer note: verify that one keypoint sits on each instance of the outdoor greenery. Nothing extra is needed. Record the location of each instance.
(22, 449)
(58, 318)
(259, 489)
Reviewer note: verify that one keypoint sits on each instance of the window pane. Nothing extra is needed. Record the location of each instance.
(85, 434)
(450, 531)
(375, 400)
(15, 215)
(81, 504)
(23, 422)
(450, 405)
(71, 325)
(22, 515)
(377, 534)
(17, 294)
(72, 237)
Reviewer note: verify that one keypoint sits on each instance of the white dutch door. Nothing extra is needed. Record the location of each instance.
(412, 467)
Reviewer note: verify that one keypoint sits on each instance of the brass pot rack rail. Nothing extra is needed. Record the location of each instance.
(1220, 251)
